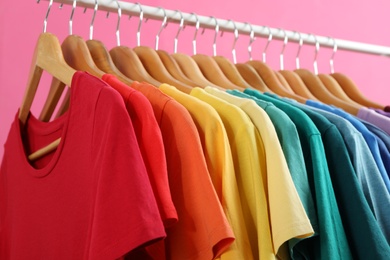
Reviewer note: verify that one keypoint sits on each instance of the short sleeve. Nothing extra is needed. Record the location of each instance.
(125, 211)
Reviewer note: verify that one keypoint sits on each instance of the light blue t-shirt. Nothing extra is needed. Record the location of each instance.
(367, 172)
(368, 136)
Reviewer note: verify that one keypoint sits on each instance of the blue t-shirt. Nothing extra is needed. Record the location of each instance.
(368, 241)
(379, 132)
(332, 241)
(368, 136)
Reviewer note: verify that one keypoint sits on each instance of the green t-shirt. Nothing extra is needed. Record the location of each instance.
(292, 150)
(332, 241)
(362, 228)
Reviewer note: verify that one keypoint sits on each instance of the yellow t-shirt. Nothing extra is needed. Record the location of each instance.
(216, 149)
(247, 151)
(287, 214)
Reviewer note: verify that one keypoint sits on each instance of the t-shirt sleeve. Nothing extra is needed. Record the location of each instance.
(125, 211)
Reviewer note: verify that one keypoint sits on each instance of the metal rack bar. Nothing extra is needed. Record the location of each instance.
(156, 13)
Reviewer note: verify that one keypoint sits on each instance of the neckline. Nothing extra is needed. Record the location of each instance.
(62, 122)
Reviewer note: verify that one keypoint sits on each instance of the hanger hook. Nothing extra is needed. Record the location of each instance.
(297, 62)
(141, 18)
(117, 32)
(93, 19)
(285, 41)
(251, 40)
(331, 62)
(197, 24)
(178, 31)
(215, 36)
(71, 18)
(163, 25)
(268, 42)
(235, 41)
(317, 49)
(47, 16)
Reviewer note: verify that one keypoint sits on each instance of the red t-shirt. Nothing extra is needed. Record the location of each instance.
(202, 231)
(90, 198)
(151, 145)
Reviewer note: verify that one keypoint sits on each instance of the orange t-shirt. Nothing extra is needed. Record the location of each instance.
(202, 231)
(151, 145)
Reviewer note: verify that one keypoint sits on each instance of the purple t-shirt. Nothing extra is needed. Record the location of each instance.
(380, 111)
(373, 117)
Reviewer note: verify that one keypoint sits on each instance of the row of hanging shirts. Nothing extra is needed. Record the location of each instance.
(212, 175)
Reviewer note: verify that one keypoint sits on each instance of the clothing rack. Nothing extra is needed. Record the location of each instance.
(157, 13)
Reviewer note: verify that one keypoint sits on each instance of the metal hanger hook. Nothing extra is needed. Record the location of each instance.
(178, 31)
(163, 25)
(317, 49)
(93, 19)
(117, 32)
(268, 42)
(47, 16)
(235, 41)
(141, 18)
(71, 18)
(197, 24)
(297, 62)
(251, 40)
(215, 36)
(331, 62)
(285, 41)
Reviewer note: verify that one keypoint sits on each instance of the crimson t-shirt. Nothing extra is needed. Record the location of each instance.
(81, 201)
(151, 145)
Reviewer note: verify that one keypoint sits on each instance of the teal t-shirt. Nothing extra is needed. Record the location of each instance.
(332, 241)
(366, 170)
(291, 146)
(365, 237)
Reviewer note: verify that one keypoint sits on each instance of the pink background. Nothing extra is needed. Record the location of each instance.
(367, 21)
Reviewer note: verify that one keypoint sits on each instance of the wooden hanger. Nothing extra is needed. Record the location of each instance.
(269, 76)
(353, 91)
(228, 68)
(289, 78)
(188, 65)
(231, 72)
(174, 69)
(334, 87)
(251, 76)
(283, 81)
(168, 61)
(297, 84)
(246, 71)
(47, 56)
(331, 84)
(77, 55)
(128, 62)
(271, 80)
(314, 84)
(318, 89)
(210, 68)
(191, 69)
(99, 52)
(104, 61)
(153, 64)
